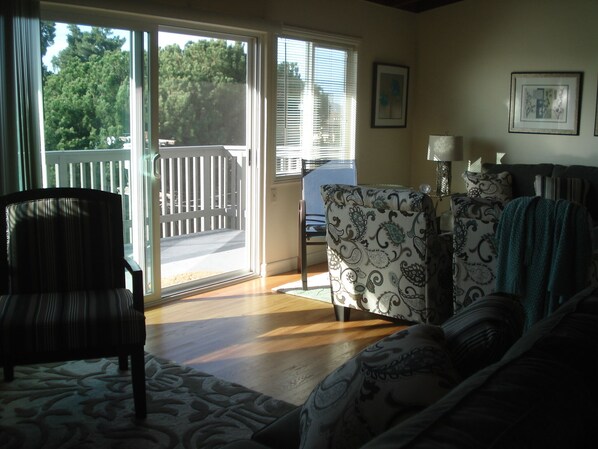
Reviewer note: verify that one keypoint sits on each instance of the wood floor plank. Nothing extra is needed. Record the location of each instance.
(278, 344)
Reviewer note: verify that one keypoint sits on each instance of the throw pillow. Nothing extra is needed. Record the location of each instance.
(486, 185)
(572, 189)
(480, 333)
(384, 384)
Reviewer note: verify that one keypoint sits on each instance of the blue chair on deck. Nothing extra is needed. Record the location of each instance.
(312, 222)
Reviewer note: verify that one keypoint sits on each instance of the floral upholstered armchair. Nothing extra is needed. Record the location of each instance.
(385, 254)
(475, 250)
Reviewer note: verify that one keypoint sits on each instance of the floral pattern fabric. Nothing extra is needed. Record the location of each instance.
(488, 185)
(384, 253)
(383, 385)
(474, 250)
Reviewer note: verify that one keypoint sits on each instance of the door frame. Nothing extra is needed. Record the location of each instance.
(145, 166)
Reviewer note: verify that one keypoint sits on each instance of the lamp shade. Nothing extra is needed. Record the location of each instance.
(445, 148)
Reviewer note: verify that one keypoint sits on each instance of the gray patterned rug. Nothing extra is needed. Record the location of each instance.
(89, 404)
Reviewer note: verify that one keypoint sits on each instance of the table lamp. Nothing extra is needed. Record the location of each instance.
(443, 150)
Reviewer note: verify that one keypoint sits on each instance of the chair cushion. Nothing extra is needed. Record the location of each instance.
(68, 321)
(384, 384)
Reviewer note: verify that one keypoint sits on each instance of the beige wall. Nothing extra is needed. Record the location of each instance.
(466, 53)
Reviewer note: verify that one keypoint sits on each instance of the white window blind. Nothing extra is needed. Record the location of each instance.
(315, 108)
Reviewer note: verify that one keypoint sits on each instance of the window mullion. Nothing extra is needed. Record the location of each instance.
(307, 121)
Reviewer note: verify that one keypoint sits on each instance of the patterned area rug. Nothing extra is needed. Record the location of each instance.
(89, 404)
(318, 287)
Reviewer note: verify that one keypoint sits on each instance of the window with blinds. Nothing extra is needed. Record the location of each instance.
(315, 103)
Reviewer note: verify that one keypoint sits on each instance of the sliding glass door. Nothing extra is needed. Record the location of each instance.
(96, 122)
(164, 117)
(205, 127)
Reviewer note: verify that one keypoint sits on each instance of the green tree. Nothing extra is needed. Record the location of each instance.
(86, 101)
(202, 93)
(47, 36)
(83, 45)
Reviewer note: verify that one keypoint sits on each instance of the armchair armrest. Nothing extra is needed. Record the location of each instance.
(137, 282)
(477, 208)
(474, 252)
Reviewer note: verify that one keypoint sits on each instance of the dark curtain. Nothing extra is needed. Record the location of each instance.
(21, 100)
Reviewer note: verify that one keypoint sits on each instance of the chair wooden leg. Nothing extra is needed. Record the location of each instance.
(123, 362)
(304, 276)
(138, 379)
(303, 258)
(9, 372)
(341, 313)
(302, 250)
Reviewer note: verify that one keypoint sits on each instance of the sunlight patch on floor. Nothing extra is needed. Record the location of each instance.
(316, 339)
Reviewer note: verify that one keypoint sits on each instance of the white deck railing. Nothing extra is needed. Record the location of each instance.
(201, 188)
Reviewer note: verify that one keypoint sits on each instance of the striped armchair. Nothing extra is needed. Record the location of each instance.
(385, 254)
(62, 283)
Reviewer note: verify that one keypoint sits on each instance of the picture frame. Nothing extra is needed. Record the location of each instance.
(389, 96)
(596, 116)
(545, 102)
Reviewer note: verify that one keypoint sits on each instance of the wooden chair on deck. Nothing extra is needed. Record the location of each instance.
(62, 283)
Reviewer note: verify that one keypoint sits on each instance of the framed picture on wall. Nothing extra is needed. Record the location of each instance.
(545, 102)
(389, 96)
(596, 117)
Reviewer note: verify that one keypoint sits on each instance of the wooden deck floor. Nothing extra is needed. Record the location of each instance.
(277, 344)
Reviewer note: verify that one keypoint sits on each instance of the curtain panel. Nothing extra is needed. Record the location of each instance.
(21, 121)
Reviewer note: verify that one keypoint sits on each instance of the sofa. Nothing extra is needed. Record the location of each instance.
(385, 255)
(477, 213)
(477, 381)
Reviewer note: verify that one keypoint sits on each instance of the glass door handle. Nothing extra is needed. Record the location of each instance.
(155, 163)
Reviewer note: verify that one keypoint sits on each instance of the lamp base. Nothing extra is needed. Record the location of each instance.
(443, 178)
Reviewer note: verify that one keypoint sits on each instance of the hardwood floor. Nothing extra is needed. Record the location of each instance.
(277, 344)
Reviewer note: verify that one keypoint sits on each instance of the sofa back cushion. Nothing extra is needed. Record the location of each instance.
(558, 188)
(523, 175)
(590, 174)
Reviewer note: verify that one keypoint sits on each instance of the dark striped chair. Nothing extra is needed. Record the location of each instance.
(62, 283)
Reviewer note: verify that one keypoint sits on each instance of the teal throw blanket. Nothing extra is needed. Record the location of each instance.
(544, 253)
